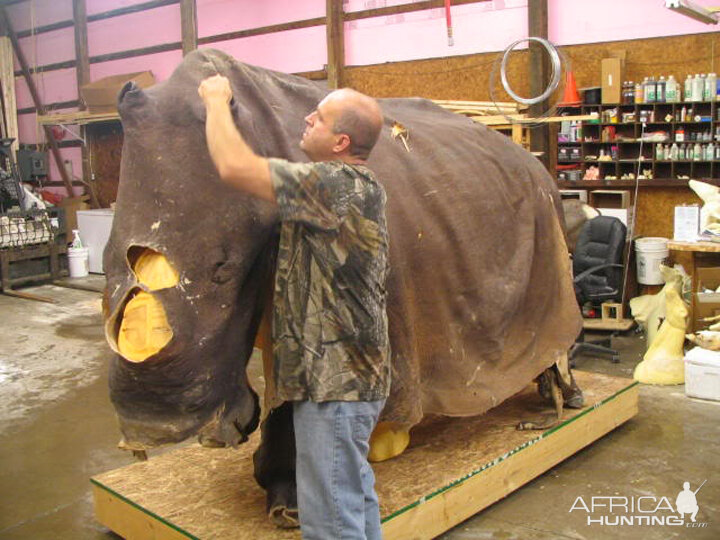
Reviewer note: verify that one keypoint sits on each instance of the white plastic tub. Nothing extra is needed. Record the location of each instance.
(78, 262)
(651, 252)
(702, 374)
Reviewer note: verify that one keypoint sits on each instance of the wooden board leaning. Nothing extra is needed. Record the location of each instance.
(454, 468)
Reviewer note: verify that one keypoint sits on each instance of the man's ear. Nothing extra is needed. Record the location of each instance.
(342, 143)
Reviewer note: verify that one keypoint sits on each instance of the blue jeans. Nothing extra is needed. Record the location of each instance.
(335, 483)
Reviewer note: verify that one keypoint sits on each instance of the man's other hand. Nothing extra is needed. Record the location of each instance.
(215, 88)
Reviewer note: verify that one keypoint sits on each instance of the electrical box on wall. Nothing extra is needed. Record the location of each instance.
(32, 164)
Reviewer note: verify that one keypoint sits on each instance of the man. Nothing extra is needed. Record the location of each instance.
(330, 341)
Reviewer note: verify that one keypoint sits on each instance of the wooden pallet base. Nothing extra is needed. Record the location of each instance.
(453, 469)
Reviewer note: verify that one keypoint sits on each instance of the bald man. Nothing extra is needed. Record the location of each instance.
(330, 340)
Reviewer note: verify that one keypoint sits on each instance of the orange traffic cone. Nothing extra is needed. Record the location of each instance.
(571, 97)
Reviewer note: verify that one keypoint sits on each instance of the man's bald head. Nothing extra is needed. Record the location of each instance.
(359, 117)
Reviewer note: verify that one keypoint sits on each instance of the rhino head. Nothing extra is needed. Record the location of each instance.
(188, 260)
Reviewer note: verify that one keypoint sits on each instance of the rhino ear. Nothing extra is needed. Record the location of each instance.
(131, 93)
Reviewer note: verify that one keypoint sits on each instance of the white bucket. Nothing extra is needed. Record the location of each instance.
(651, 252)
(78, 262)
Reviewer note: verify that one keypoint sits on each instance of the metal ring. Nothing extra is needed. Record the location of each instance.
(556, 70)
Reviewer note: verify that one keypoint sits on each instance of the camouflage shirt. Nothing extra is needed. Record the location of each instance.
(330, 338)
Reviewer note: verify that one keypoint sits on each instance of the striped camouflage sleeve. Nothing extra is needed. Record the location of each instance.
(308, 192)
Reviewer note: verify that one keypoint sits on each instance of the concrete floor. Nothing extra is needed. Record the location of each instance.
(57, 428)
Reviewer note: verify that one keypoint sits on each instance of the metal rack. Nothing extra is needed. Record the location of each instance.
(32, 239)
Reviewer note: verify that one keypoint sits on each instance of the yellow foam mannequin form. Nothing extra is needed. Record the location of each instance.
(663, 362)
(387, 441)
(144, 330)
(154, 271)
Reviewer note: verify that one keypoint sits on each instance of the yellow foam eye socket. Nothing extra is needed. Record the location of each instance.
(154, 270)
(144, 330)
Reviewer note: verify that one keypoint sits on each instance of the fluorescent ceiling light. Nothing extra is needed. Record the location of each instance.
(688, 8)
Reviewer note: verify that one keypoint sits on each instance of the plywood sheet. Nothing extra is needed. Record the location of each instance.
(453, 468)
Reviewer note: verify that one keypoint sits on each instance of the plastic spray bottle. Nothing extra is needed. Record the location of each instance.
(76, 242)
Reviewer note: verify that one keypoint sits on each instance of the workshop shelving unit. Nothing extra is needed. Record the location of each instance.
(627, 150)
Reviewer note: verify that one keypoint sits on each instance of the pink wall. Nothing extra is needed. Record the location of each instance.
(483, 27)
(221, 16)
(573, 22)
(271, 50)
(153, 27)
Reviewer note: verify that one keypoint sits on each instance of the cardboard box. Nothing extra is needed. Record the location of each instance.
(579, 194)
(610, 198)
(705, 304)
(101, 95)
(613, 71)
(72, 205)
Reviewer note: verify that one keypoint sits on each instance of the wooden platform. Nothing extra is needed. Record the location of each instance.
(453, 469)
(621, 325)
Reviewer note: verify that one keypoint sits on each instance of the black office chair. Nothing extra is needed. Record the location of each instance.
(598, 274)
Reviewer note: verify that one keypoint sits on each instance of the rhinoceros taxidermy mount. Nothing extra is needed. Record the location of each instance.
(480, 295)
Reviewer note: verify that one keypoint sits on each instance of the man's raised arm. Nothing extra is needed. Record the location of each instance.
(236, 163)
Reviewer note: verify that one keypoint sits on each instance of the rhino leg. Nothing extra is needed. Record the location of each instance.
(548, 383)
(573, 397)
(572, 394)
(274, 462)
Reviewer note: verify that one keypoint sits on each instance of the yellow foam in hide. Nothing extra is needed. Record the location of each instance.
(387, 441)
(144, 330)
(154, 271)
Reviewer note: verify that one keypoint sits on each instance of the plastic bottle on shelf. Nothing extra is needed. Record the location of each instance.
(697, 88)
(659, 152)
(680, 134)
(639, 95)
(681, 152)
(687, 90)
(660, 89)
(683, 114)
(651, 90)
(674, 152)
(631, 93)
(709, 152)
(697, 152)
(710, 87)
(671, 90)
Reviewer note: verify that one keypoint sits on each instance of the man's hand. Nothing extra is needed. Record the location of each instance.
(215, 89)
(236, 163)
